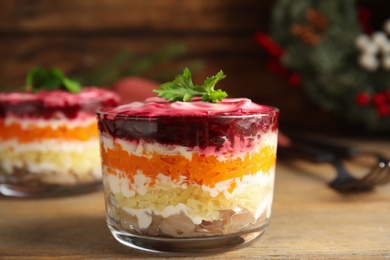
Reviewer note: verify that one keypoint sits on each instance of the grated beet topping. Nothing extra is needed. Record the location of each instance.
(189, 131)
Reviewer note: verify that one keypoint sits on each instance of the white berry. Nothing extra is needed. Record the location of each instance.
(380, 39)
(362, 41)
(369, 62)
(371, 49)
(385, 49)
(386, 62)
(386, 26)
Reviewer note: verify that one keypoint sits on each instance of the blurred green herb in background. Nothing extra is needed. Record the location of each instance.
(161, 65)
(38, 79)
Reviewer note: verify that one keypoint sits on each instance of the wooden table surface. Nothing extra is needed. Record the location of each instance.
(309, 220)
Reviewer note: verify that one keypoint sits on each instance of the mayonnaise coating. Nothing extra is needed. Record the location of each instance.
(155, 107)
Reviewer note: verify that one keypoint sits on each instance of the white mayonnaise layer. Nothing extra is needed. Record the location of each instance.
(83, 119)
(54, 145)
(144, 216)
(228, 151)
(120, 184)
(142, 148)
(260, 178)
(155, 107)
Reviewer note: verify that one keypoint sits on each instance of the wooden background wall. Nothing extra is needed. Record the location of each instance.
(74, 33)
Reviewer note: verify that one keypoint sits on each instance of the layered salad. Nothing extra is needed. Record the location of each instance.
(49, 139)
(188, 169)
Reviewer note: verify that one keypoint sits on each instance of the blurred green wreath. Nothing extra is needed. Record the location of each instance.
(332, 53)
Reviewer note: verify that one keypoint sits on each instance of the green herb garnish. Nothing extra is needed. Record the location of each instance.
(182, 88)
(38, 78)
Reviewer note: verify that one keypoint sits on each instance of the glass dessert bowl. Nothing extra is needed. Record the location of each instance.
(188, 177)
(49, 142)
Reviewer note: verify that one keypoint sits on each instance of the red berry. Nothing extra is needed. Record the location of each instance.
(294, 79)
(276, 51)
(363, 99)
(383, 110)
(379, 99)
(263, 40)
(387, 93)
(276, 67)
(269, 45)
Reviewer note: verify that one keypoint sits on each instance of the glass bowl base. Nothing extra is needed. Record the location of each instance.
(23, 191)
(188, 246)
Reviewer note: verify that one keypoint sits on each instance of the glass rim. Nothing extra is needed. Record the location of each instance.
(272, 111)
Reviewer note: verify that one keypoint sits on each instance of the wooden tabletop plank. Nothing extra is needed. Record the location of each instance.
(309, 220)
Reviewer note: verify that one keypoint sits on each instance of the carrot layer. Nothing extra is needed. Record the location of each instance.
(35, 133)
(201, 169)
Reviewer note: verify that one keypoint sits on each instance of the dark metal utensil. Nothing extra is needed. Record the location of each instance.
(320, 150)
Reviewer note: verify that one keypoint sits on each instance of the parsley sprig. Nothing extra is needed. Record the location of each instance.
(183, 89)
(38, 78)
